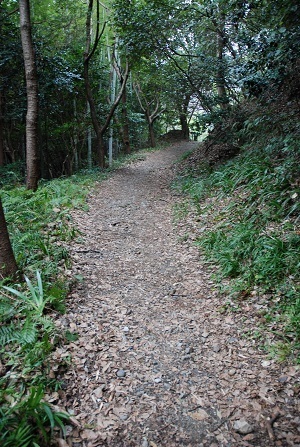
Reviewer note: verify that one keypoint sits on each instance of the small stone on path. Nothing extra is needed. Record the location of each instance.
(216, 348)
(243, 427)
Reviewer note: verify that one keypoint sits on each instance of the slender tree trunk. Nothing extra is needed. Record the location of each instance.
(32, 157)
(75, 139)
(152, 135)
(92, 106)
(183, 117)
(222, 94)
(1, 130)
(220, 73)
(112, 100)
(150, 116)
(8, 265)
(88, 54)
(125, 133)
(89, 140)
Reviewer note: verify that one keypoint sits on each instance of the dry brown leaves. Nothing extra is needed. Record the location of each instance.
(156, 362)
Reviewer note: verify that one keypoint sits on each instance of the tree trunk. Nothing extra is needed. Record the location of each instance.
(151, 131)
(32, 157)
(1, 130)
(183, 114)
(150, 116)
(8, 266)
(92, 108)
(220, 74)
(222, 94)
(88, 53)
(89, 140)
(125, 133)
(184, 127)
(112, 100)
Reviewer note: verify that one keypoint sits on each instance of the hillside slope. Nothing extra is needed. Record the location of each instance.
(244, 182)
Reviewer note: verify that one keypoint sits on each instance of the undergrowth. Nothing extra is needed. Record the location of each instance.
(40, 223)
(40, 227)
(252, 210)
(27, 337)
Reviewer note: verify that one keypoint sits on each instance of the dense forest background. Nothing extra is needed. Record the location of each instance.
(190, 64)
(84, 83)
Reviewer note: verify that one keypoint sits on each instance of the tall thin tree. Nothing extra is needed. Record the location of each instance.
(32, 155)
(100, 129)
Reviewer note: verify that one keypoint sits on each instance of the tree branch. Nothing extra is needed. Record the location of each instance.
(99, 33)
(117, 100)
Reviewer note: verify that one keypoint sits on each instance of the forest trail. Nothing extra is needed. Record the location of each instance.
(156, 363)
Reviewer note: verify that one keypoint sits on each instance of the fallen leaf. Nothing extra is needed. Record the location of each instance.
(199, 415)
(61, 442)
(88, 435)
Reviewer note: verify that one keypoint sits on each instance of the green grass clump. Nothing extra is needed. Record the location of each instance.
(27, 337)
(252, 203)
(24, 417)
(40, 227)
(40, 222)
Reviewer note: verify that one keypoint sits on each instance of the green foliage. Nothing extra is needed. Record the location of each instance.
(25, 418)
(40, 226)
(24, 329)
(26, 339)
(35, 299)
(40, 222)
(252, 203)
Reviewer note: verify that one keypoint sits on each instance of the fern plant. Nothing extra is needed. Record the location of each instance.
(24, 326)
(15, 332)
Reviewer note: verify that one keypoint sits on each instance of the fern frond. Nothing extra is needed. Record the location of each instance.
(7, 311)
(47, 324)
(22, 335)
(8, 334)
(28, 334)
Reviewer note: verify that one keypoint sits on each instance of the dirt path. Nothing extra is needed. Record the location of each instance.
(156, 363)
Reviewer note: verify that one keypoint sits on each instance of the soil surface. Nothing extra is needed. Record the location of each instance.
(160, 360)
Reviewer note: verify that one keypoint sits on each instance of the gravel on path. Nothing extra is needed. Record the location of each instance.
(157, 363)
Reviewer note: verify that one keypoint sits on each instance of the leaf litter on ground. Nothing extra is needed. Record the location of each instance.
(157, 362)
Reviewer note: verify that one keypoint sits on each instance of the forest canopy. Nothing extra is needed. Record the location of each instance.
(88, 83)
(189, 61)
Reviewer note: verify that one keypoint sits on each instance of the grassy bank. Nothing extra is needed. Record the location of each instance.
(249, 219)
